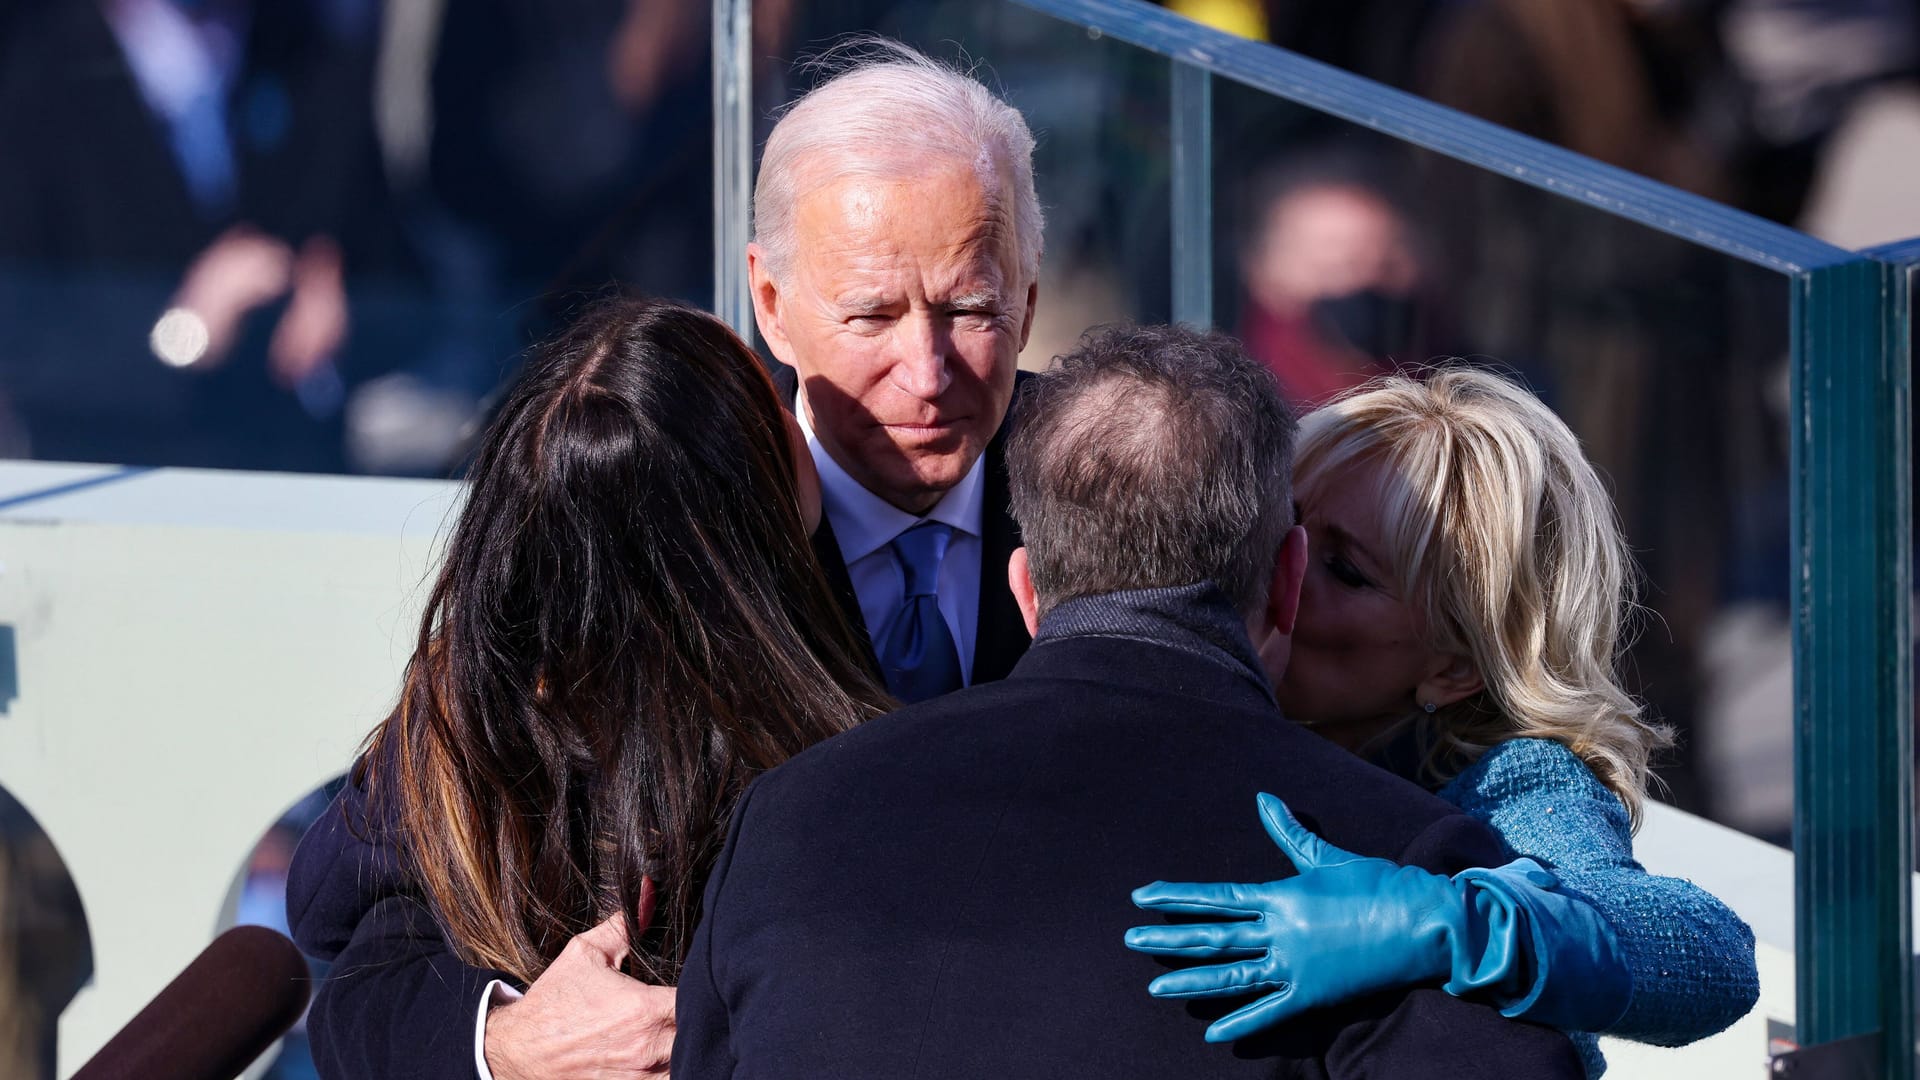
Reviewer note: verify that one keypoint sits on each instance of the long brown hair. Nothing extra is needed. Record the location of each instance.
(629, 624)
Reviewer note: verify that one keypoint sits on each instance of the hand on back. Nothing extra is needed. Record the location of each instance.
(1343, 927)
(582, 1019)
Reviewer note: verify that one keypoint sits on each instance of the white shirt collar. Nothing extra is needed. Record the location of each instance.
(863, 522)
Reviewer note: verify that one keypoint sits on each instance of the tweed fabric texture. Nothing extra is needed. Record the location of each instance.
(1691, 957)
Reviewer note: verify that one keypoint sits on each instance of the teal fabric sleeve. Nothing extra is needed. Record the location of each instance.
(1689, 957)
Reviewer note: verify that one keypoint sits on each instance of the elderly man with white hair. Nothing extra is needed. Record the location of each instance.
(894, 271)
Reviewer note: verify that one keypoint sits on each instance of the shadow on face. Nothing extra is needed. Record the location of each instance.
(904, 313)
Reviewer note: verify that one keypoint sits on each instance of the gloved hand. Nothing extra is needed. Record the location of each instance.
(1349, 925)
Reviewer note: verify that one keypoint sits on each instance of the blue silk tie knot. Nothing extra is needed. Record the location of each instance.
(916, 649)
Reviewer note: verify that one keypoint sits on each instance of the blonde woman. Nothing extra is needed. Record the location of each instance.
(1460, 624)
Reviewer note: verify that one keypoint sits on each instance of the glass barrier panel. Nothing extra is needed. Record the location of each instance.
(1342, 255)
(1905, 281)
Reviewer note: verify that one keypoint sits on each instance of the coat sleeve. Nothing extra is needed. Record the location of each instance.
(396, 1001)
(1432, 1034)
(1690, 957)
(703, 1036)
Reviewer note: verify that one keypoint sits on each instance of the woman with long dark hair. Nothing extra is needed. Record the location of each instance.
(629, 624)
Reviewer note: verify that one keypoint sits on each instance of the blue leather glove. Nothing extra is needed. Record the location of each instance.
(1349, 925)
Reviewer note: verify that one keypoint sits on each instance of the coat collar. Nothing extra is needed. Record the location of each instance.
(1192, 624)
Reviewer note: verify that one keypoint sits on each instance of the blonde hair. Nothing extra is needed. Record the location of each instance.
(1505, 542)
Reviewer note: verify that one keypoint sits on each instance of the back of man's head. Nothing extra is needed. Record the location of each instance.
(1152, 456)
(889, 111)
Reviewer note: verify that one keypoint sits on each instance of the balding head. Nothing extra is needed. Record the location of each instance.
(1149, 457)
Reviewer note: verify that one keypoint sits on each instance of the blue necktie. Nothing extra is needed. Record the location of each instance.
(917, 653)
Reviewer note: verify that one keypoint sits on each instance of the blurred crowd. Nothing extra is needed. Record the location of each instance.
(313, 235)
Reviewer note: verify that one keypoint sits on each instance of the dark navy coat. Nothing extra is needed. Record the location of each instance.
(943, 891)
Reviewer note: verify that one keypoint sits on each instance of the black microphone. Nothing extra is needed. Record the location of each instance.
(240, 994)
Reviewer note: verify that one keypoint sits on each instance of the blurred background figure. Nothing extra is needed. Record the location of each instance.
(187, 186)
(314, 235)
(1808, 69)
(261, 900)
(1333, 282)
(46, 953)
(553, 149)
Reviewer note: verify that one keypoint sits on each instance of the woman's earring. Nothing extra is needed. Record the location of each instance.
(1431, 708)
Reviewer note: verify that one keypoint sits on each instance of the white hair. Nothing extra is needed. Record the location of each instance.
(889, 113)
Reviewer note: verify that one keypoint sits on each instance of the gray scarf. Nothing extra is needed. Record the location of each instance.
(1195, 619)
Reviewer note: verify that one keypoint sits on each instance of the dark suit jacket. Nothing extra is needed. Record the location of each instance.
(1001, 636)
(943, 892)
(397, 1002)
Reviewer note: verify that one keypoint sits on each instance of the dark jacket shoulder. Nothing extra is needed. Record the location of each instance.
(396, 1000)
(944, 891)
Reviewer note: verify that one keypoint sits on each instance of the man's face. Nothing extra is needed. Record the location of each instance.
(904, 312)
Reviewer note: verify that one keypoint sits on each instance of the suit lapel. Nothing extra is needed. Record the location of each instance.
(1000, 636)
(826, 547)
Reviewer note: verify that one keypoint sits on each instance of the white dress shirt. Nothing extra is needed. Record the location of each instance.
(865, 524)
(496, 993)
